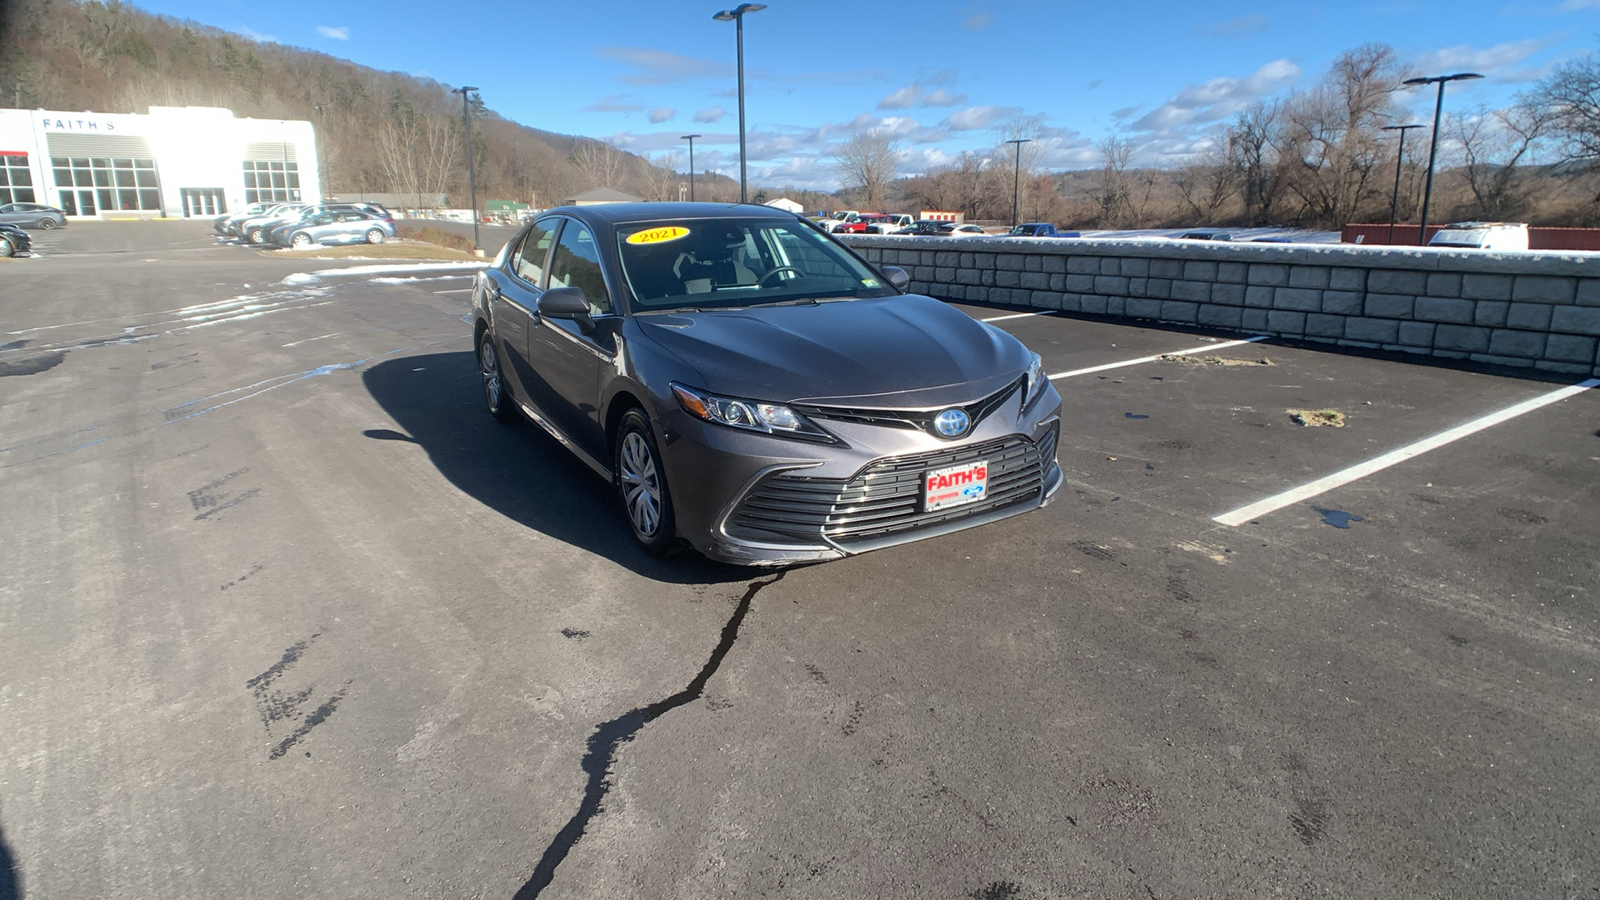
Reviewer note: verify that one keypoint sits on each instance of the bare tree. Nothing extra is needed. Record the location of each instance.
(600, 162)
(868, 162)
(661, 178)
(1492, 144)
(417, 155)
(1333, 135)
(1114, 194)
(1253, 152)
(1570, 99)
(1207, 183)
(1020, 159)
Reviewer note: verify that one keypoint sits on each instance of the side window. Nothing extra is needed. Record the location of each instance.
(576, 263)
(325, 219)
(528, 261)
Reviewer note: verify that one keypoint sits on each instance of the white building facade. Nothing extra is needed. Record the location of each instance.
(175, 162)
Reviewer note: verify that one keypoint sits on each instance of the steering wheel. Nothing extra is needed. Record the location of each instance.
(761, 282)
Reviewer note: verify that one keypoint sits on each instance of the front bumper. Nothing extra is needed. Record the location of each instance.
(753, 499)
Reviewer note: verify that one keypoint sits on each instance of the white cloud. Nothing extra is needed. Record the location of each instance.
(944, 98)
(659, 66)
(614, 103)
(905, 98)
(334, 32)
(664, 114)
(254, 35)
(1500, 60)
(975, 117)
(1217, 99)
(710, 114)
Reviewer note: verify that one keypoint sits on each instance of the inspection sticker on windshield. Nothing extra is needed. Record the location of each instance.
(955, 485)
(658, 235)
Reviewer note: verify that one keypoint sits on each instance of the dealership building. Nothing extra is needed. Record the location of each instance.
(175, 162)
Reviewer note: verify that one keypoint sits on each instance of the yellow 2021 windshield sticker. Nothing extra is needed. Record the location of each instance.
(658, 235)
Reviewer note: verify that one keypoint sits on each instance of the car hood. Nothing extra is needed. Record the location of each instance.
(905, 351)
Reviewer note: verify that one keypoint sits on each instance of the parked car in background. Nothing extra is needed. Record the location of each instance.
(860, 223)
(260, 224)
(32, 215)
(926, 228)
(343, 226)
(221, 224)
(1039, 229)
(831, 222)
(13, 240)
(259, 230)
(750, 385)
(1482, 236)
(890, 223)
(955, 230)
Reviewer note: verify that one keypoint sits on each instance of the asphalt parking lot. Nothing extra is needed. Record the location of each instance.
(284, 614)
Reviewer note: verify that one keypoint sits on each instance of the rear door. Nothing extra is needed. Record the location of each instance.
(513, 302)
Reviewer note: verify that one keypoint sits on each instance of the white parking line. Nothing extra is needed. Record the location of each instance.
(1394, 457)
(1026, 315)
(458, 291)
(1144, 359)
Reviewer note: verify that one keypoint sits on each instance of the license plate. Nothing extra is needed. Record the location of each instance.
(955, 485)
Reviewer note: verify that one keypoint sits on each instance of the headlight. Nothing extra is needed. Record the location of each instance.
(1037, 379)
(751, 415)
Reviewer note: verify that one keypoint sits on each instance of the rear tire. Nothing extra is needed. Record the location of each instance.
(375, 236)
(47, 223)
(300, 241)
(642, 482)
(495, 395)
(255, 236)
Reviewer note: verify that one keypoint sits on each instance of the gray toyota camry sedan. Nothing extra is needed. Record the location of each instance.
(754, 388)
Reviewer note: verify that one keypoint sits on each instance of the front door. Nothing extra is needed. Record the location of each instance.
(204, 202)
(569, 362)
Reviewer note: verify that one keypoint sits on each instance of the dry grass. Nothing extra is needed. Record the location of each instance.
(389, 250)
(431, 235)
(1316, 417)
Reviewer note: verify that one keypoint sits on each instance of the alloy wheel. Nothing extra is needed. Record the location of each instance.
(641, 484)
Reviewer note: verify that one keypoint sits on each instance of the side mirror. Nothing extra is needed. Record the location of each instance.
(567, 303)
(897, 277)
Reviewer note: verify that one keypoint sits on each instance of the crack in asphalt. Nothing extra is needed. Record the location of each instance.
(609, 737)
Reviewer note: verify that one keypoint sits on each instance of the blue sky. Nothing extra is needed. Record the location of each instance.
(941, 74)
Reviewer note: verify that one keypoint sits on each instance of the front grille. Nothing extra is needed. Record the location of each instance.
(885, 498)
(915, 419)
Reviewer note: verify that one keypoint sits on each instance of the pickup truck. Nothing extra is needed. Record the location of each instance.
(1040, 229)
(834, 221)
(890, 223)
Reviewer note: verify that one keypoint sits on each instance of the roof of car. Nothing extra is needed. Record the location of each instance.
(617, 213)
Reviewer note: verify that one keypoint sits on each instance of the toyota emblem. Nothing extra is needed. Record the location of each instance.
(952, 423)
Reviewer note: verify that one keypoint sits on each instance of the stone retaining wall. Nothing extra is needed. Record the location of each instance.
(1537, 310)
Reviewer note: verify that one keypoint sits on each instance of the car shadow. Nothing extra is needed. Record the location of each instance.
(518, 471)
(10, 888)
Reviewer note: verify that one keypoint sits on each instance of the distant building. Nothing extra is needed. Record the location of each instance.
(394, 201)
(507, 210)
(603, 195)
(176, 161)
(785, 204)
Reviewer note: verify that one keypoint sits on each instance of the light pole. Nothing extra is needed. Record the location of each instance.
(1399, 160)
(1433, 143)
(472, 180)
(1016, 178)
(736, 16)
(322, 128)
(690, 138)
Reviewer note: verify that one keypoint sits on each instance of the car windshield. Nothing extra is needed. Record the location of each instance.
(733, 262)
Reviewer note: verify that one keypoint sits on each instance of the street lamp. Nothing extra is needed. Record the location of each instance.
(690, 138)
(736, 16)
(472, 180)
(327, 182)
(1399, 160)
(1433, 143)
(1016, 178)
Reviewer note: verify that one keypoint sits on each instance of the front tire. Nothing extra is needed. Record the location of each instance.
(255, 236)
(641, 479)
(6, 249)
(375, 236)
(495, 396)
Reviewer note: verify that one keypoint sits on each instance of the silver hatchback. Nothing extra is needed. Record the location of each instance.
(345, 226)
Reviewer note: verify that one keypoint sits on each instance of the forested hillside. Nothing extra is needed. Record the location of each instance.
(383, 131)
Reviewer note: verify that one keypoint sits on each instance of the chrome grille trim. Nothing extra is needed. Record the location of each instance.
(914, 419)
(885, 497)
